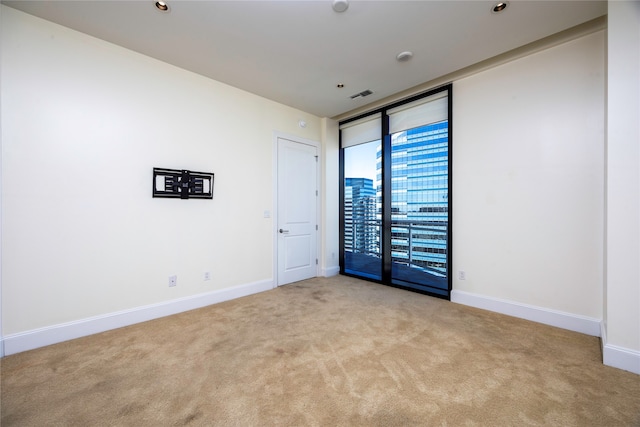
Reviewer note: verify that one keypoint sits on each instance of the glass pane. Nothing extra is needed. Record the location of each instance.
(362, 210)
(420, 206)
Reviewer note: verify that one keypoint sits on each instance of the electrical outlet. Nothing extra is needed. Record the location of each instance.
(207, 275)
(173, 280)
(462, 275)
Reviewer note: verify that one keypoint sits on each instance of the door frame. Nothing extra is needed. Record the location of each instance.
(274, 217)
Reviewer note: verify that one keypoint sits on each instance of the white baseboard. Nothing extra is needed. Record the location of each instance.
(330, 271)
(29, 340)
(560, 319)
(619, 357)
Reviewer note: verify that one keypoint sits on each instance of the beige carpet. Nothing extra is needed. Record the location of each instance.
(323, 352)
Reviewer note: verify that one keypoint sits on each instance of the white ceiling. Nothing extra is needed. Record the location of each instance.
(296, 52)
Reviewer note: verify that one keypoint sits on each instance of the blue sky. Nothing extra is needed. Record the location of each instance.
(360, 161)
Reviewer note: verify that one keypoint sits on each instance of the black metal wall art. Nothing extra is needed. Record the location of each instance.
(182, 184)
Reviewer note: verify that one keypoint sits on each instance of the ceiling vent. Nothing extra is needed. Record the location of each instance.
(361, 94)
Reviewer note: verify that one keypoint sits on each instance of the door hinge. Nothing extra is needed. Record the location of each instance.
(316, 227)
(316, 261)
(316, 159)
(316, 193)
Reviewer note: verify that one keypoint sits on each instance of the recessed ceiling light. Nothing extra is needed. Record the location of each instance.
(499, 7)
(162, 6)
(340, 5)
(404, 56)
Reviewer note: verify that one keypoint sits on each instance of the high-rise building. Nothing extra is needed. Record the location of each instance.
(361, 229)
(419, 197)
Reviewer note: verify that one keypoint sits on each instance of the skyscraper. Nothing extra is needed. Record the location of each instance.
(419, 197)
(361, 229)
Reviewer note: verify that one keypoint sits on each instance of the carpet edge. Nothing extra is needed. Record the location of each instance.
(560, 319)
(36, 338)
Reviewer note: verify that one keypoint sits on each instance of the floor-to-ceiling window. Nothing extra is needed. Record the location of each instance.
(361, 218)
(395, 195)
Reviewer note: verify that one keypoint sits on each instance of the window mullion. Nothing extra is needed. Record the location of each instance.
(386, 199)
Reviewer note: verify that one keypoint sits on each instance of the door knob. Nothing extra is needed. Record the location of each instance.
(283, 231)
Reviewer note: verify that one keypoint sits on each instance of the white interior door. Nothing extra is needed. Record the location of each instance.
(297, 210)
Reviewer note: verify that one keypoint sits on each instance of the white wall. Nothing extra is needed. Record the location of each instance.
(83, 124)
(621, 335)
(528, 183)
(1, 339)
(330, 179)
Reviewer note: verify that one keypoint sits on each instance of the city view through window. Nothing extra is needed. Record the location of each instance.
(419, 206)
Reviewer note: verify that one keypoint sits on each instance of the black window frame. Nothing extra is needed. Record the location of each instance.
(386, 246)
